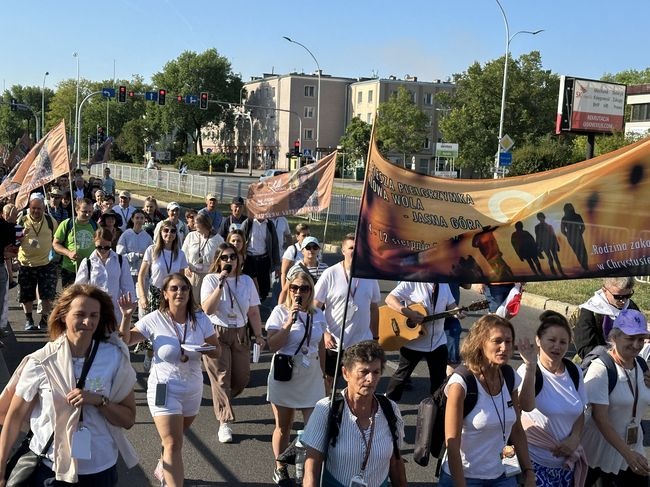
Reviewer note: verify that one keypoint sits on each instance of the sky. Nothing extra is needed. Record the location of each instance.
(430, 39)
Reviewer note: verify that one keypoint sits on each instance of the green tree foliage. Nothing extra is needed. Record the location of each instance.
(14, 124)
(629, 76)
(402, 127)
(473, 119)
(355, 141)
(542, 154)
(190, 74)
(604, 144)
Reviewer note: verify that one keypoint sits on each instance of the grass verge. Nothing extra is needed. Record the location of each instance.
(577, 291)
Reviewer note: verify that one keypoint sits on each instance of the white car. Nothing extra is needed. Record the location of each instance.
(269, 173)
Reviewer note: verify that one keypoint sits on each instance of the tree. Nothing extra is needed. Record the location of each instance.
(629, 77)
(191, 74)
(401, 124)
(542, 154)
(356, 139)
(473, 119)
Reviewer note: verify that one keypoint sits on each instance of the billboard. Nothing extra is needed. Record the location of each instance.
(590, 106)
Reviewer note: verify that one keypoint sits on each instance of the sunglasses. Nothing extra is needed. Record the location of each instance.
(312, 247)
(621, 297)
(302, 288)
(169, 230)
(184, 288)
(103, 247)
(227, 257)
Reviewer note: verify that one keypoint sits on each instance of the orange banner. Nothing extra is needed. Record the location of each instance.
(47, 160)
(303, 191)
(588, 219)
(19, 152)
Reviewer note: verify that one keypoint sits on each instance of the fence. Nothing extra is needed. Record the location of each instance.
(344, 209)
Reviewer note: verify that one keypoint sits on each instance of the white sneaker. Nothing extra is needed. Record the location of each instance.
(225, 433)
(146, 364)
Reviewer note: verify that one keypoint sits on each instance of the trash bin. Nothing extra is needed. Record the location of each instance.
(359, 173)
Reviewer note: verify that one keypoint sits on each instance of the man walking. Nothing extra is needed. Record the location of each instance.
(124, 209)
(235, 220)
(212, 212)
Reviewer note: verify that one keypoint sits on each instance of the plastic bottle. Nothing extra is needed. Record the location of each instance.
(301, 454)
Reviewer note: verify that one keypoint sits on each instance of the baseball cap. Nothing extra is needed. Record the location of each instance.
(309, 240)
(173, 206)
(631, 322)
(211, 196)
(36, 196)
(125, 194)
(237, 200)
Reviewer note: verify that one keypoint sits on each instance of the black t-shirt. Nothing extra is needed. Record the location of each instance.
(7, 234)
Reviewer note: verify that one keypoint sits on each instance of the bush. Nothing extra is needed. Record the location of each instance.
(202, 162)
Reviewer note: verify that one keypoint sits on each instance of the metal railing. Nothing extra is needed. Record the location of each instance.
(344, 209)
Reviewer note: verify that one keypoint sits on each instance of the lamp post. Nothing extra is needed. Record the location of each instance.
(318, 94)
(509, 38)
(247, 115)
(76, 108)
(43, 104)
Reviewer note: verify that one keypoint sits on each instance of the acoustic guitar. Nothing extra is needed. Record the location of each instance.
(395, 329)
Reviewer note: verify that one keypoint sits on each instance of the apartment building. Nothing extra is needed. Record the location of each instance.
(638, 98)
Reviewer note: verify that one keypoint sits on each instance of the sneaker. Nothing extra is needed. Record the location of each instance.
(146, 364)
(42, 325)
(30, 325)
(225, 433)
(281, 477)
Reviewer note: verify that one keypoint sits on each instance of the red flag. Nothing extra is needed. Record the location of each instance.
(46, 161)
(303, 191)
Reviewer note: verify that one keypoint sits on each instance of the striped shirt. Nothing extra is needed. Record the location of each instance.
(344, 460)
(315, 271)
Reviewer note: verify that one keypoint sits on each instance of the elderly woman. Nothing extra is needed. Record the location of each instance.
(180, 335)
(200, 247)
(230, 300)
(106, 270)
(82, 374)
(478, 441)
(619, 398)
(553, 399)
(374, 455)
(295, 333)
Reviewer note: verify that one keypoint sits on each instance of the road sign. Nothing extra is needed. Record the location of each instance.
(506, 143)
(108, 92)
(151, 96)
(505, 158)
(306, 152)
(444, 149)
(191, 99)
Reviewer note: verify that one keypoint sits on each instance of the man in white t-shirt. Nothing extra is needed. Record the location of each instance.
(431, 346)
(173, 215)
(124, 209)
(362, 320)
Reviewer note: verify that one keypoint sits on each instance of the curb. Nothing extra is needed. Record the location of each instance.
(544, 303)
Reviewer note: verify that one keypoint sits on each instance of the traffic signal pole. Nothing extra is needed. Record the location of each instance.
(79, 125)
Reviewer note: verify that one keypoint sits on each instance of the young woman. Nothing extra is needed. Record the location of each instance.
(151, 214)
(106, 270)
(293, 252)
(309, 262)
(230, 300)
(108, 220)
(237, 239)
(175, 383)
(295, 329)
(133, 243)
(200, 247)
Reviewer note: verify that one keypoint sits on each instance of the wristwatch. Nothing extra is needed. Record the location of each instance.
(104, 402)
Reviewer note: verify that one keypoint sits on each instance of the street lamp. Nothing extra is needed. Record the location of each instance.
(509, 38)
(318, 99)
(76, 108)
(247, 115)
(43, 104)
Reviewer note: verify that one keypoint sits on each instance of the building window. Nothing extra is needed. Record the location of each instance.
(310, 91)
(309, 112)
(369, 96)
(360, 97)
(640, 112)
(413, 97)
(428, 99)
(369, 118)
(309, 134)
(427, 143)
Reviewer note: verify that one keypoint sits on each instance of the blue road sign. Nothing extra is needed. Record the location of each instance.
(191, 99)
(151, 96)
(108, 92)
(505, 158)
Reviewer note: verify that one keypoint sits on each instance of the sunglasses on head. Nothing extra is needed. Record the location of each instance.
(226, 257)
(303, 288)
(312, 247)
(169, 230)
(183, 288)
(103, 247)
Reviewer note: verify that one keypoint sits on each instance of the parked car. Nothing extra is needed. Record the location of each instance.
(269, 173)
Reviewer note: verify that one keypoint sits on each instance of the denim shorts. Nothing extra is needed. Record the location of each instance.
(503, 481)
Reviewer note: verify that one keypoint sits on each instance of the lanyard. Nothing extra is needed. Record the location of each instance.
(40, 227)
(232, 300)
(88, 361)
(180, 341)
(502, 422)
(367, 444)
(347, 279)
(201, 247)
(633, 390)
(171, 261)
(125, 220)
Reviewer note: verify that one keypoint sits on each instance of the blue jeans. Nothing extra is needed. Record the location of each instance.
(503, 481)
(453, 330)
(497, 294)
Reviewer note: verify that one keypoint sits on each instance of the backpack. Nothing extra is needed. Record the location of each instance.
(612, 376)
(430, 426)
(89, 264)
(336, 414)
(48, 219)
(571, 368)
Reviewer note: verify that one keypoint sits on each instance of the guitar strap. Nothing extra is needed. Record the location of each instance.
(434, 297)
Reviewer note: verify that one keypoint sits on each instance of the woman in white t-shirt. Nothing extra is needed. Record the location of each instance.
(237, 239)
(477, 442)
(293, 252)
(553, 418)
(200, 247)
(295, 331)
(230, 300)
(180, 334)
(309, 262)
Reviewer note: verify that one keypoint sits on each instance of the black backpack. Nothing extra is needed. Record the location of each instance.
(430, 427)
(612, 377)
(571, 368)
(336, 414)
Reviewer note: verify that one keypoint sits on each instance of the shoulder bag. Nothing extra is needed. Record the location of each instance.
(283, 363)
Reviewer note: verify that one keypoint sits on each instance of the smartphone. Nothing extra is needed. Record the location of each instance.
(161, 395)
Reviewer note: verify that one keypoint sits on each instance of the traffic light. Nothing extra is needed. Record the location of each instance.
(296, 148)
(131, 95)
(121, 94)
(14, 105)
(179, 99)
(161, 96)
(203, 102)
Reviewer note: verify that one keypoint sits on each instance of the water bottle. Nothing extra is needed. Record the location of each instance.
(301, 454)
